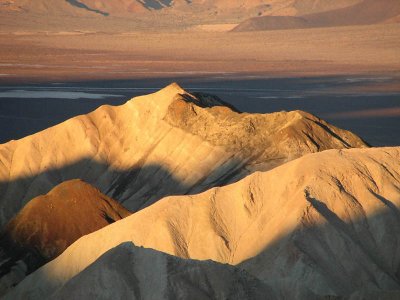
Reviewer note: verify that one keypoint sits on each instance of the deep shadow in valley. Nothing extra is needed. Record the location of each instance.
(135, 188)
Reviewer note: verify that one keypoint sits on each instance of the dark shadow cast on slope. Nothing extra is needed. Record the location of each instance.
(341, 257)
(334, 260)
(156, 4)
(135, 188)
(183, 278)
(84, 6)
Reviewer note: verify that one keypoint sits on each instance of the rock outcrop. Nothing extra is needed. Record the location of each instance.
(48, 224)
(167, 143)
(326, 224)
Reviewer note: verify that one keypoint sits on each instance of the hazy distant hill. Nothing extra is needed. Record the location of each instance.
(178, 13)
(366, 12)
(293, 7)
(129, 7)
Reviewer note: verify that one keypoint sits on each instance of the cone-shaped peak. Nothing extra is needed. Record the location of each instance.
(172, 89)
(175, 87)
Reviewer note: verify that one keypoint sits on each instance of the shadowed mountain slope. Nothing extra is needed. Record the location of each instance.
(129, 272)
(326, 224)
(367, 12)
(169, 142)
(48, 224)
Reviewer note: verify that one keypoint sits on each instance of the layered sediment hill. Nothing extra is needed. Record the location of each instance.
(326, 224)
(166, 143)
(48, 224)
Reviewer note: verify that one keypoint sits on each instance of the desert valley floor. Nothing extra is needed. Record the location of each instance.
(339, 74)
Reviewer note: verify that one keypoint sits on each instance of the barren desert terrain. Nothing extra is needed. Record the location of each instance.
(73, 56)
(200, 149)
(342, 74)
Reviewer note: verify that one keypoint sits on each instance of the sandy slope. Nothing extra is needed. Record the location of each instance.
(324, 224)
(48, 224)
(129, 272)
(165, 143)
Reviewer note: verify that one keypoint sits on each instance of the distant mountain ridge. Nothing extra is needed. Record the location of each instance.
(201, 8)
(178, 14)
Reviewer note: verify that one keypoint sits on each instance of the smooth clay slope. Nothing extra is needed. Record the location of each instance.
(170, 142)
(48, 224)
(326, 224)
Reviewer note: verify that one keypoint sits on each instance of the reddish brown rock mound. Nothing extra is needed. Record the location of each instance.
(48, 224)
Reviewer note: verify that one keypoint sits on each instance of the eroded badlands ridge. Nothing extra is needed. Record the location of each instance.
(148, 274)
(48, 224)
(326, 224)
(169, 142)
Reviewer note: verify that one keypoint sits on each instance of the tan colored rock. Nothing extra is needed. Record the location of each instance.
(166, 143)
(324, 224)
